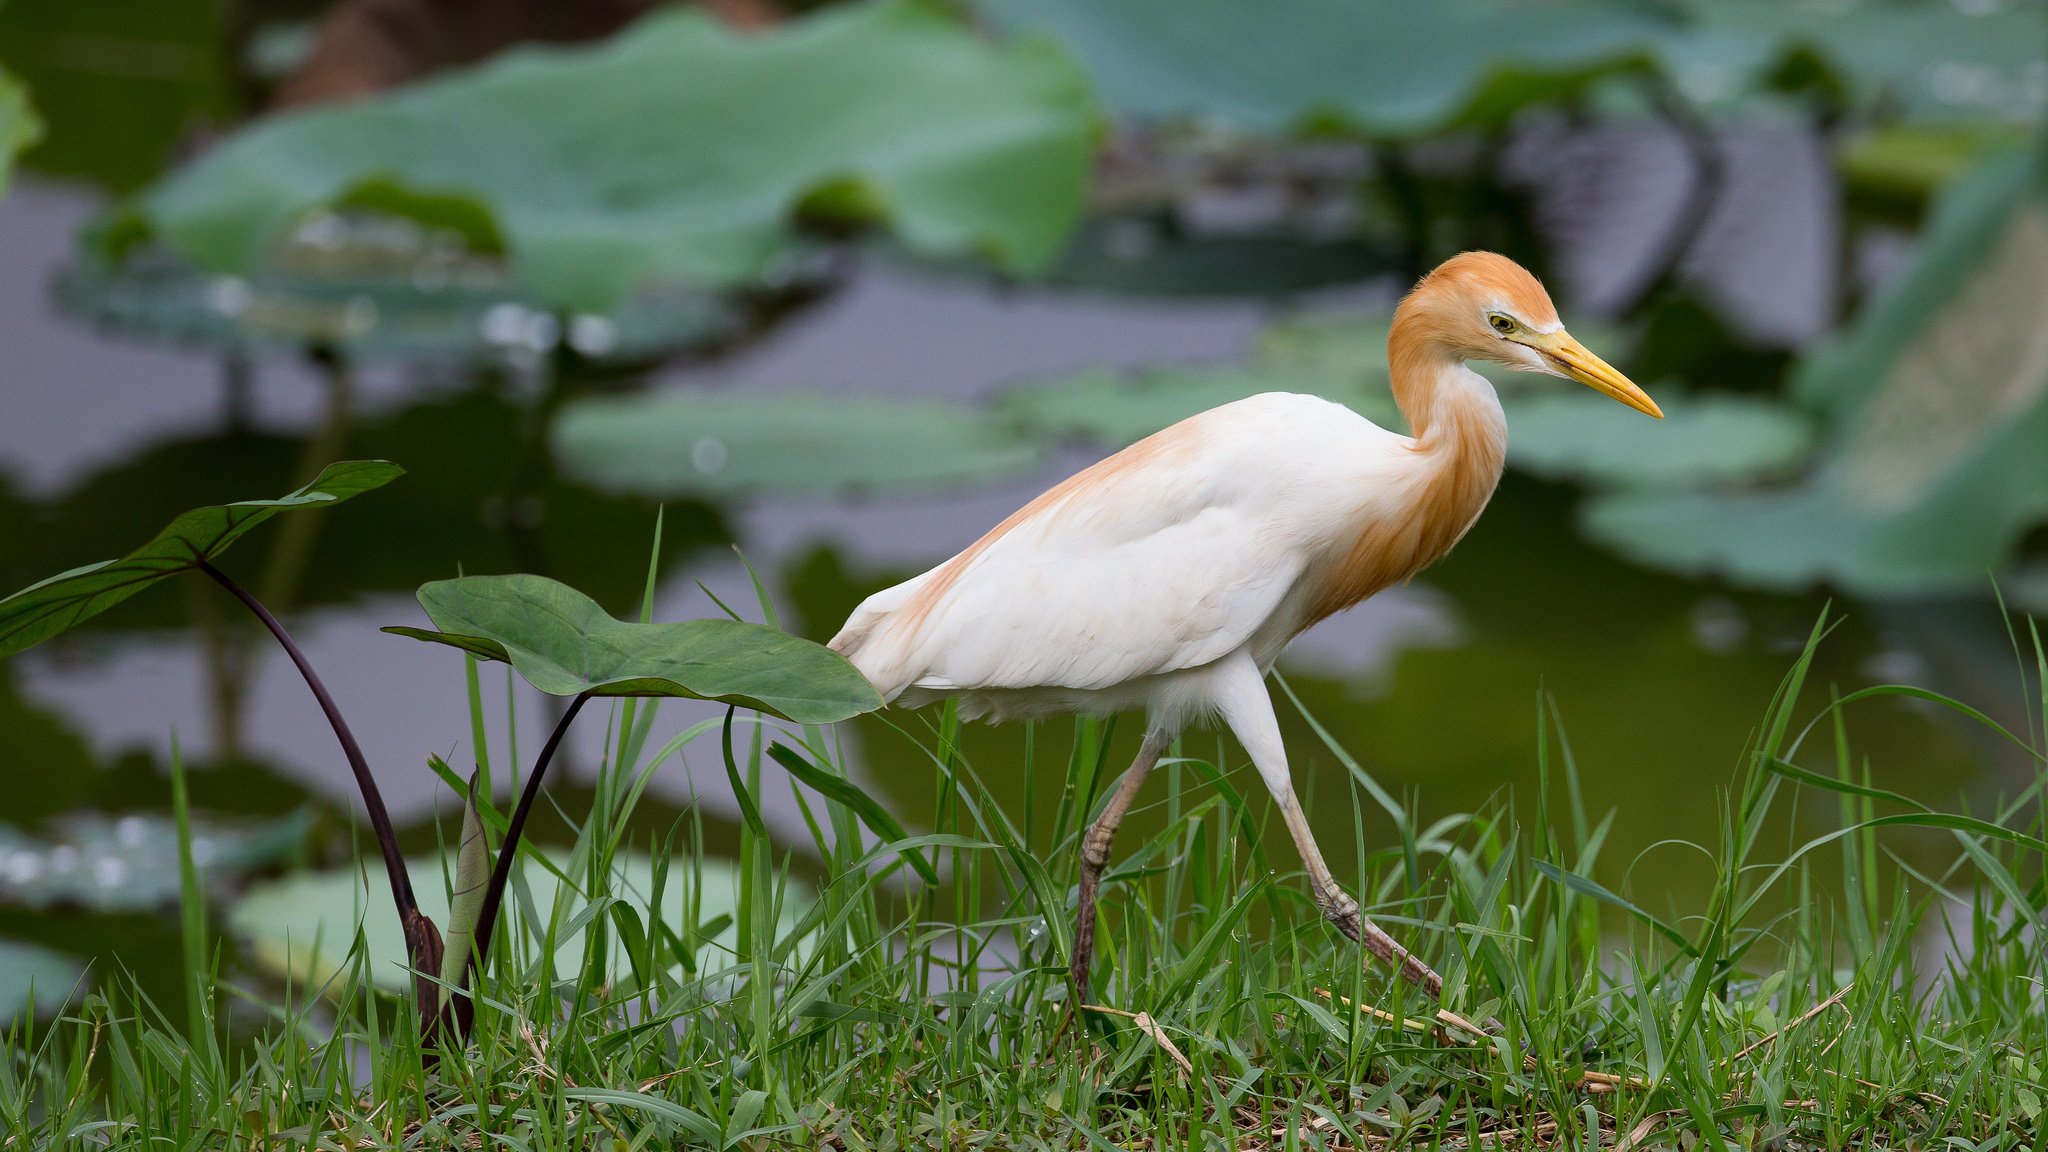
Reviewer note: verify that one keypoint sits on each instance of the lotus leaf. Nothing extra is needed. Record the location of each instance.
(33, 973)
(1383, 66)
(697, 443)
(1581, 435)
(1927, 62)
(1937, 398)
(304, 926)
(1553, 430)
(129, 863)
(562, 643)
(45, 609)
(682, 150)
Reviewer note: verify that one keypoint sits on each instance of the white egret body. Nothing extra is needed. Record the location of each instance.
(1171, 575)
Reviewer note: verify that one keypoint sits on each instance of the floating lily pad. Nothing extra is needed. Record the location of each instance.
(562, 643)
(1932, 470)
(1116, 408)
(130, 863)
(1395, 68)
(45, 609)
(1938, 62)
(1554, 429)
(33, 973)
(382, 289)
(303, 926)
(1579, 435)
(688, 442)
(1383, 66)
(682, 150)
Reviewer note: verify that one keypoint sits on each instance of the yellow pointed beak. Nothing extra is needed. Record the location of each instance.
(1573, 359)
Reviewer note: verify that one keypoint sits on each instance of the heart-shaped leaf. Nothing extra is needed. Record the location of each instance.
(562, 643)
(48, 608)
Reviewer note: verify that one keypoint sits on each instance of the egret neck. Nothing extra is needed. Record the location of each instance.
(1459, 447)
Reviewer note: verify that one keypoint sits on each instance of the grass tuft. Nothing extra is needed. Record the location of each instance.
(875, 1009)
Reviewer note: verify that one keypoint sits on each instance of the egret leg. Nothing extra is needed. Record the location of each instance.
(1245, 706)
(1095, 854)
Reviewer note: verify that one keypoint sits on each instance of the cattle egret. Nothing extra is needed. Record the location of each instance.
(1169, 576)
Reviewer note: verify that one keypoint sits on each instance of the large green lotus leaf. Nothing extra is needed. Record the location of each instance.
(564, 644)
(691, 442)
(1926, 62)
(303, 926)
(1391, 67)
(19, 127)
(682, 149)
(31, 972)
(45, 609)
(1934, 467)
(1580, 435)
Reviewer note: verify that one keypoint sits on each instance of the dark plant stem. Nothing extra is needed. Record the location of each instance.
(501, 872)
(373, 801)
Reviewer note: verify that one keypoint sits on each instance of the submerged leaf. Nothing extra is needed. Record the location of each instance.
(1937, 399)
(564, 644)
(682, 150)
(700, 443)
(59, 603)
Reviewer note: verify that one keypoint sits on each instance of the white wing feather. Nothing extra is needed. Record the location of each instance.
(1155, 562)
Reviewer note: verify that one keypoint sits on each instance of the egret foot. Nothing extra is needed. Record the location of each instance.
(1343, 911)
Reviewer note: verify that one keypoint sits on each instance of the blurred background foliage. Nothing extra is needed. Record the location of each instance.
(536, 216)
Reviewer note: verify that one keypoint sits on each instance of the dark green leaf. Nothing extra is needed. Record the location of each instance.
(564, 644)
(46, 609)
(682, 150)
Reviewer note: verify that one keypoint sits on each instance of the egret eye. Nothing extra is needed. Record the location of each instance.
(1502, 324)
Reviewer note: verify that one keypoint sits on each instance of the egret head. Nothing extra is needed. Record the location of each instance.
(1483, 306)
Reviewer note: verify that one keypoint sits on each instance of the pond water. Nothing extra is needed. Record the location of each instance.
(1434, 687)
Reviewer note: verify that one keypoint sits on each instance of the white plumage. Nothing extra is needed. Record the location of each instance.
(1170, 576)
(1052, 615)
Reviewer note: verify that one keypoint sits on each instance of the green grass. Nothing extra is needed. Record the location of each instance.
(1904, 1010)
